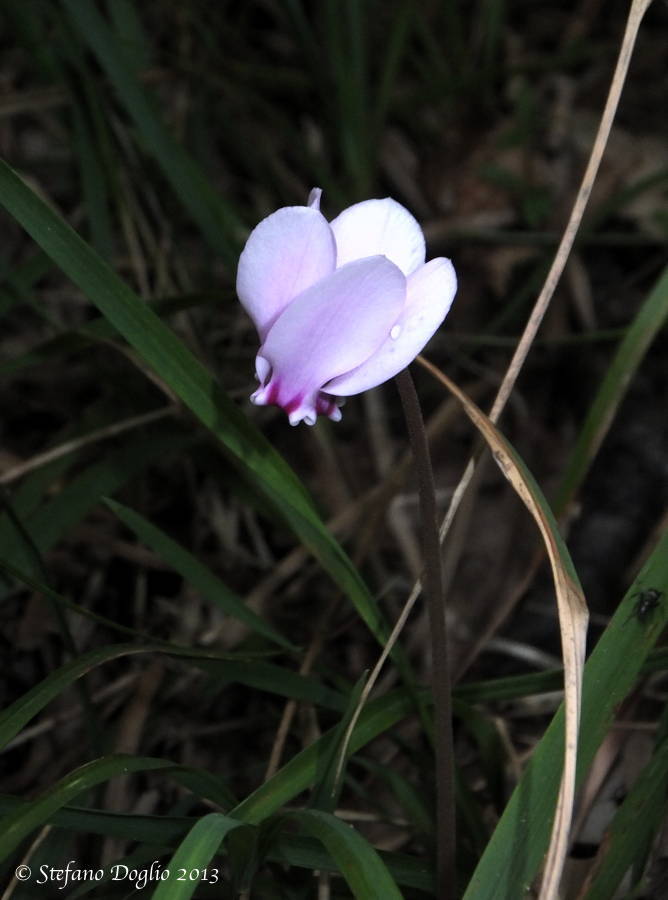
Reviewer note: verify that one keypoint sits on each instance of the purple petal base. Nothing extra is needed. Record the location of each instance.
(299, 408)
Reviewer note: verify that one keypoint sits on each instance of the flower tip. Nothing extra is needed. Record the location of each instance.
(314, 198)
(300, 415)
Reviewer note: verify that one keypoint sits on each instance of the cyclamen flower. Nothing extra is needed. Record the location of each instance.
(339, 306)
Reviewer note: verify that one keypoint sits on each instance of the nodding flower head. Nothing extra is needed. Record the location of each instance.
(339, 306)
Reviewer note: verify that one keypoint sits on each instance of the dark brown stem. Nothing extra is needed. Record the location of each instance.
(433, 589)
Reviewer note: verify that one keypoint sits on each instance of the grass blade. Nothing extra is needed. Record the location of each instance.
(303, 769)
(161, 831)
(195, 853)
(48, 523)
(14, 717)
(633, 828)
(217, 221)
(173, 362)
(195, 573)
(357, 860)
(649, 320)
(520, 839)
(573, 618)
(18, 825)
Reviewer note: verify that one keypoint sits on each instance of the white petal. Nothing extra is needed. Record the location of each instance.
(327, 330)
(285, 254)
(429, 295)
(382, 227)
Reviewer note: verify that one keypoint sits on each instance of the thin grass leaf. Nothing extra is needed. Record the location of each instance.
(125, 630)
(634, 827)
(516, 686)
(127, 24)
(520, 839)
(332, 766)
(52, 520)
(203, 785)
(156, 830)
(493, 755)
(95, 188)
(302, 770)
(491, 14)
(358, 862)
(96, 331)
(216, 219)
(31, 24)
(172, 361)
(194, 854)
(196, 574)
(396, 46)
(247, 670)
(274, 679)
(648, 322)
(306, 852)
(166, 831)
(32, 815)
(19, 713)
(410, 798)
(573, 617)
(345, 40)
(511, 687)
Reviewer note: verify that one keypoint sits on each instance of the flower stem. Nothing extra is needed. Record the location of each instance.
(433, 588)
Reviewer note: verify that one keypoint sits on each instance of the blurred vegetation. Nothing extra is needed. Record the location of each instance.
(243, 573)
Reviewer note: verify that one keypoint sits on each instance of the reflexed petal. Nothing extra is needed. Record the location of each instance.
(327, 330)
(429, 295)
(379, 226)
(329, 406)
(285, 254)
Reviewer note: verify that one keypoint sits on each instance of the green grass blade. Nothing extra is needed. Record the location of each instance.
(521, 837)
(302, 770)
(19, 824)
(263, 676)
(166, 831)
(155, 830)
(329, 782)
(298, 850)
(274, 679)
(127, 24)
(634, 827)
(196, 574)
(14, 717)
(49, 522)
(195, 853)
(358, 862)
(395, 49)
(216, 219)
(173, 362)
(204, 785)
(94, 184)
(650, 319)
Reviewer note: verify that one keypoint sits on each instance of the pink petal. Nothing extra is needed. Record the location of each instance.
(285, 254)
(429, 295)
(379, 227)
(329, 329)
